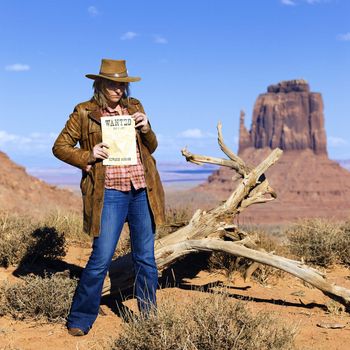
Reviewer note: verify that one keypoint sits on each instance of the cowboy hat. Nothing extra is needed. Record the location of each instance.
(113, 70)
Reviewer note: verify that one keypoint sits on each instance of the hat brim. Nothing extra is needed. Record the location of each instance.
(119, 79)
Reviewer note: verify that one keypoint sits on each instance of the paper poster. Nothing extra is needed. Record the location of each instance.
(118, 132)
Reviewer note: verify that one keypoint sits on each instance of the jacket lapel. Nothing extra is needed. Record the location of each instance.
(94, 111)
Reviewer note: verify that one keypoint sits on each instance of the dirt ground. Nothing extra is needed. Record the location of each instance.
(288, 298)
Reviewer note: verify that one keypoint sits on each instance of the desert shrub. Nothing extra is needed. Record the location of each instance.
(23, 240)
(38, 298)
(68, 223)
(47, 243)
(229, 264)
(175, 218)
(270, 243)
(211, 323)
(320, 242)
(223, 262)
(344, 244)
(15, 238)
(265, 274)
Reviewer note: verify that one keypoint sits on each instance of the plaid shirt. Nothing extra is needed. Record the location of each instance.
(120, 177)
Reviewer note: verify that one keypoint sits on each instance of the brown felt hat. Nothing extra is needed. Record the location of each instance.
(113, 70)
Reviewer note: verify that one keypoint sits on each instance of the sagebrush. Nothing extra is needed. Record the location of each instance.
(211, 323)
(230, 264)
(25, 240)
(68, 223)
(15, 238)
(320, 242)
(36, 298)
(175, 218)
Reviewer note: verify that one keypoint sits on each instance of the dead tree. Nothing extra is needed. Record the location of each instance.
(206, 230)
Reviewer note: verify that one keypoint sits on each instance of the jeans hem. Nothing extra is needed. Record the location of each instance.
(75, 325)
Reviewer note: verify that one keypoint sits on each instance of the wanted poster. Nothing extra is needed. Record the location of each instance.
(120, 135)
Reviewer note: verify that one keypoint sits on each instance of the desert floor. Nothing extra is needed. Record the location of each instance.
(288, 298)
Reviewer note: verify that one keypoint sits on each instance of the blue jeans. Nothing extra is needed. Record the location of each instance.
(118, 206)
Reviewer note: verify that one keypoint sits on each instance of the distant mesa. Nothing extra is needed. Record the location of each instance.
(307, 182)
(288, 116)
(296, 85)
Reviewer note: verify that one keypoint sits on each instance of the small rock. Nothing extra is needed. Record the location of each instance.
(331, 325)
(299, 293)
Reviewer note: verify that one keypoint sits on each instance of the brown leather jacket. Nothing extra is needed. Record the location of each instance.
(84, 126)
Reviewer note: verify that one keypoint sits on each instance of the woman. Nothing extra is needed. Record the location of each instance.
(113, 194)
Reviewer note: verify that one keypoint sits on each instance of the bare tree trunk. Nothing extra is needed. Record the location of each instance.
(206, 230)
(295, 268)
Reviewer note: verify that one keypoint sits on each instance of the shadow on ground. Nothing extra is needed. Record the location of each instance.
(42, 259)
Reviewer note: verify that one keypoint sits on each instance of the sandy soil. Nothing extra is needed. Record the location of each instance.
(288, 298)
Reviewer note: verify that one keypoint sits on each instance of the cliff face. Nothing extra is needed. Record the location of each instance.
(288, 116)
(307, 185)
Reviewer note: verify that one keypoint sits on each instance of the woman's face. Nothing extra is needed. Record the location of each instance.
(114, 90)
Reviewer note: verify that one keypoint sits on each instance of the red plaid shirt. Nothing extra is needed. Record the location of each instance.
(120, 177)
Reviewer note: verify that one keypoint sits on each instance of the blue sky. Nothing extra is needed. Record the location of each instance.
(200, 61)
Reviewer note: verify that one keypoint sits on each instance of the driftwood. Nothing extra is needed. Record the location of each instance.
(206, 231)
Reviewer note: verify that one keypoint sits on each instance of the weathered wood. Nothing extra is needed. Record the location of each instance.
(241, 168)
(298, 269)
(166, 256)
(206, 230)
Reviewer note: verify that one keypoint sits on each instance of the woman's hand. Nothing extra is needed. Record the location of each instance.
(99, 152)
(141, 121)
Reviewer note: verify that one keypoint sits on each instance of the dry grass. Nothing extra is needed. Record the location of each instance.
(216, 322)
(225, 263)
(320, 242)
(229, 264)
(37, 298)
(175, 218)
(124, 244)
(22, 239)
(15, 238)
(47, 243)
(69, 224)
(266, 274)
(25, 241)
(344, 251)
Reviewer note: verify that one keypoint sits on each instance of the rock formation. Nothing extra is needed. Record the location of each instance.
(23, 194)
(288, 116)
(307, 182)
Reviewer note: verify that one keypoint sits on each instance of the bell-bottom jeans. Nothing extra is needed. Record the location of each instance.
(118, 206)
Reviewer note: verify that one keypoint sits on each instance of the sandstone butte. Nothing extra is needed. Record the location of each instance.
(23, 194)
(307, 182)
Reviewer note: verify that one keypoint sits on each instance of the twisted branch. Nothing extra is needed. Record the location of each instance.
(206, 230)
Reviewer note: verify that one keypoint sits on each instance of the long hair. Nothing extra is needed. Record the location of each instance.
(99, 96)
